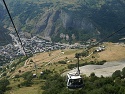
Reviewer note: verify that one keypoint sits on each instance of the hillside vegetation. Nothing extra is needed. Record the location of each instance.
(53, 64)
(4, 37)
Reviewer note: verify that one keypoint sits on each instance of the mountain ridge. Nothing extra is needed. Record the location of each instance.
(50, 19)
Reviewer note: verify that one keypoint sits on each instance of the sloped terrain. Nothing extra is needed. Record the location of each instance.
(67, 20)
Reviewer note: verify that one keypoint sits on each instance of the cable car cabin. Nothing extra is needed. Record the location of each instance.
(74, 81)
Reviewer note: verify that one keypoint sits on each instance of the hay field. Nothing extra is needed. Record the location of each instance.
(113, 52)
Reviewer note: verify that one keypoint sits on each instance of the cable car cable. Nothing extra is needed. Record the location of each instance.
(107, 37)
(14, 27)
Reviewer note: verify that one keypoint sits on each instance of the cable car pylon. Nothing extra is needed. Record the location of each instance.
(74, 80)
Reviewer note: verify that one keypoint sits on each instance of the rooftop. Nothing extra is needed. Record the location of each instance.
(73, 76)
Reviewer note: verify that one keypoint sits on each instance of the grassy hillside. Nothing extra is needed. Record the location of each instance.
(51, 63)
(113, 52)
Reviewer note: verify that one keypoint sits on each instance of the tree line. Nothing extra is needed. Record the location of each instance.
(56, 84)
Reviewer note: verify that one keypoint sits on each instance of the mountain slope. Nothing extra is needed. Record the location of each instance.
(4, 37)
(68, 20)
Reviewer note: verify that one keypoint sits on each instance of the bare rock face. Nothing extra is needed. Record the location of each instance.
(51, 22)
(47, 24)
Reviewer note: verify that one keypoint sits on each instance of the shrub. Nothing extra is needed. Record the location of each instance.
(3, 85)
(17, 76)
(4, 74)
(123, 72)
(85, 53)
(26, 83)
(27, 75)
(54, 84)
(71, 66)
(45, 74)
(19, 85)
(101, 62)
(19, 71)
(92, 74)
(62, 62)
(116, 74)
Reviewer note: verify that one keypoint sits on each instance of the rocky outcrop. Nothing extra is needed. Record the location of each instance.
(51, 22)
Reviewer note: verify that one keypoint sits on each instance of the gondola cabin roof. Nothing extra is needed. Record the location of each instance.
(73, 76)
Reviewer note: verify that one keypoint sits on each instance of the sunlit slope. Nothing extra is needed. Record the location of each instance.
(113, 52)
(49, 60)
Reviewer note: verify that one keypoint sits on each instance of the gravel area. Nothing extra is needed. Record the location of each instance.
(105, 70)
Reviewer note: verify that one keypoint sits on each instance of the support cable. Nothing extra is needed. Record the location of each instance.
(107, 37)
(24, 52)
(77, 55)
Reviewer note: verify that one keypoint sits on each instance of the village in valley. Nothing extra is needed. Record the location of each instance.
(33, 45)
